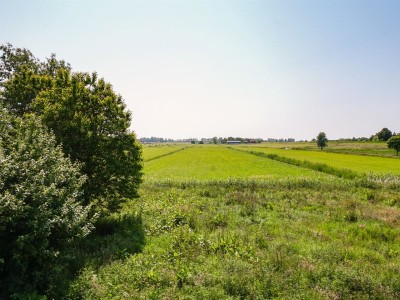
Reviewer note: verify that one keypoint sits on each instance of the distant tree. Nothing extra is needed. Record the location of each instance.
(322, 140)
(193, 142)
(201, 142)
(394, 143)
(384, 134)
(215, 140)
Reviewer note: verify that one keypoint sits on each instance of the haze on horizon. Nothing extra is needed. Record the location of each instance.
(229, 68)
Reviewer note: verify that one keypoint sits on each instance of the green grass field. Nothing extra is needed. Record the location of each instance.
(217, 223)
(153, 151)
(358, 148)
(358, 163)
(216, 162)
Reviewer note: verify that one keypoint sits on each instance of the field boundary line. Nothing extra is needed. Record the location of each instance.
(361, 154)
(165, 154)
(320, 167)
(346, 152)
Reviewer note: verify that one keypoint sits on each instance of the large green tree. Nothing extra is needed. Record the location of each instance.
(322, 140)
(40, 210)
(384, 135)
(394, 143)
(88, 118)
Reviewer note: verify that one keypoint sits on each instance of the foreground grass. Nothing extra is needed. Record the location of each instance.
(298, 238)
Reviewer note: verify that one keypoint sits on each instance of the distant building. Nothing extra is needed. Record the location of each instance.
(281, 140)
(250, 141)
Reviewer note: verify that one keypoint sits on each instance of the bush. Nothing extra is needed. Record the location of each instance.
(40, 211)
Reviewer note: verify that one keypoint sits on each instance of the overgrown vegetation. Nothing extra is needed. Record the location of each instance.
(298, 238)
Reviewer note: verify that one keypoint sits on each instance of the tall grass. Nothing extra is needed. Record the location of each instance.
(299, 238)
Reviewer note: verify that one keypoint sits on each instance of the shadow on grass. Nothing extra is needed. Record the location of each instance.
(114, 238)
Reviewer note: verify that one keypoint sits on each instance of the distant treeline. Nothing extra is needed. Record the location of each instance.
(213, 140)
(383, 135)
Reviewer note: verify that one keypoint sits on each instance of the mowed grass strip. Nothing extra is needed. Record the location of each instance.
(358, 163)
(217, 162)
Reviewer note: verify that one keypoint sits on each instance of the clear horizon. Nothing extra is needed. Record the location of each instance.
(198, 69)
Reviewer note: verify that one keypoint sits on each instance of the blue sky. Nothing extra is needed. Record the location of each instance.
(229, 68)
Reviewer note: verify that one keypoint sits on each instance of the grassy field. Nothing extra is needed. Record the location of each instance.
(358, 163)
(244, 239)
(358, 148)
(331, 145)
(216, 162)
(218, 223)
(153, 151)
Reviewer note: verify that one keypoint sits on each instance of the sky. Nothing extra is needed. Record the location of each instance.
(261, 69)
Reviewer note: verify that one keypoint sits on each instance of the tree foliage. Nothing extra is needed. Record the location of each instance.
(394, 143)
(322, 140)
(384, 135)
(88, 118)
(14, 60)
(40, 210)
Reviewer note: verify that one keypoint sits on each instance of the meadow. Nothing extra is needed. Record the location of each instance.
(216, 162)
(154, 151)
(359, 148)
(218, 223)
(354, 162)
